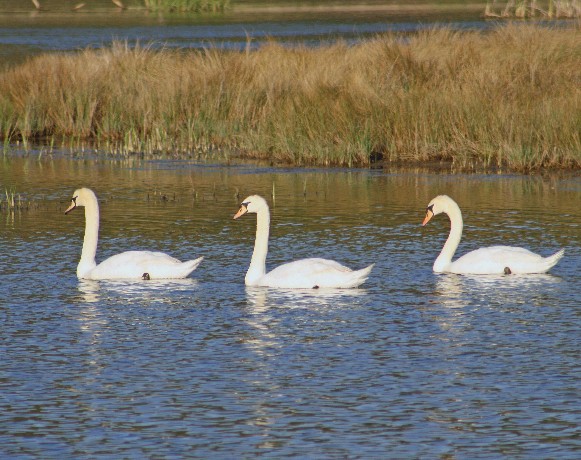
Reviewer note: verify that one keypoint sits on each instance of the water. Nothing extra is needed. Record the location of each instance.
(413, 365)
(25, 32)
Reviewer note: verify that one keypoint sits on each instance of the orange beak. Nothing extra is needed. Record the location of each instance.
(429, 215)
(71, 207)
(243, 210)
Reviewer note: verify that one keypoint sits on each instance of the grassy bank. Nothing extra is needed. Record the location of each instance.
(509, 98)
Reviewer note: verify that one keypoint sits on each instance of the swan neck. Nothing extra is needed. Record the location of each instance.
(257, 267)
(90, 240)
(456, 226)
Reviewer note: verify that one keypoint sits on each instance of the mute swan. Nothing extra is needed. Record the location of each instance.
(127, 265)
(491, 260)
(304, 273)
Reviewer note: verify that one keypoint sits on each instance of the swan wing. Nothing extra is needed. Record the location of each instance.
(314, 273)
(134, 264)
(495, 259)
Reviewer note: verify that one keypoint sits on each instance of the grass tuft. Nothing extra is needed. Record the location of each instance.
(14, 202)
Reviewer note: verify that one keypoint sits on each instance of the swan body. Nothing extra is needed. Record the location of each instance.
(126, 265)
(483, 261)
(300, 274)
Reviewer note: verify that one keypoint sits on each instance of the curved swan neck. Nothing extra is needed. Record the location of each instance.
(456, 227)
(257, 268)
(91, 238)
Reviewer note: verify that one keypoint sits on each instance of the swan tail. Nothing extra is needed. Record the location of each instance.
(551, 261)
(358, 277)
(191, 265)
(180, 271)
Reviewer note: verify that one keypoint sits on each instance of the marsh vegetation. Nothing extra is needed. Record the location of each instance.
(534, 9)
(186, 6)
(179, 6)
(508, 98)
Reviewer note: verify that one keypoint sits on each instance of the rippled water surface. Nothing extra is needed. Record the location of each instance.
(413, 365)
(25, 31)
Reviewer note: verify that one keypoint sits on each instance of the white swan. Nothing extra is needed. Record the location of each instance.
(127, 265)
(491, 260)
(304, 273)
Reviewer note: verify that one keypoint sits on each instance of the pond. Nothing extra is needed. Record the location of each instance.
(411, 365)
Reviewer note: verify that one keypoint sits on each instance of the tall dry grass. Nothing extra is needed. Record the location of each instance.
(510, 98)
(522, 9)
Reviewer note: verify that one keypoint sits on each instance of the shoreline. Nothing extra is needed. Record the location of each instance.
(444, 167)
(234, 8)
(368, 8)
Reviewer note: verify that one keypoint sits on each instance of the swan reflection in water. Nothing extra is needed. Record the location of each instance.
(93, 318)
(459, 291)
(276, 324)
(89, 291)
(262, 298)
(266, 307)
(137, 290)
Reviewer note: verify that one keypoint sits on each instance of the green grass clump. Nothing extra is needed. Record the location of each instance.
(505, 98)
(14, 201)
(187, 6)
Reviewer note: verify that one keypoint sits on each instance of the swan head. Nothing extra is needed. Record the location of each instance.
(252, 204)
(437, 206)
(81, 197)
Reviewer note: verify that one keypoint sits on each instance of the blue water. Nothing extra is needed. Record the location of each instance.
(227, 36)
(25, 32)
(413, 365)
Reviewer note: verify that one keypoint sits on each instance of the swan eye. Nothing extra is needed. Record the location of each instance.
(430, 208)
(74, 200)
